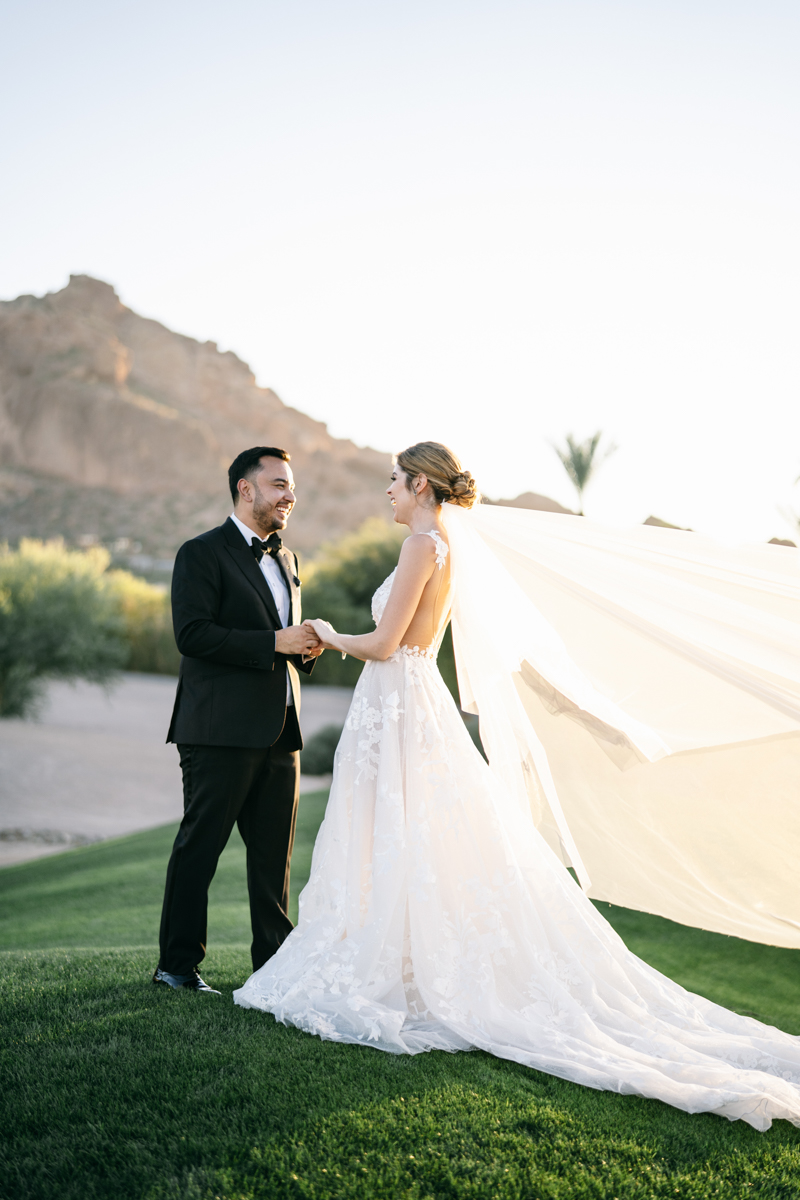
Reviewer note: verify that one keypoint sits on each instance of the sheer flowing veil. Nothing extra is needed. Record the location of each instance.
(639, 691)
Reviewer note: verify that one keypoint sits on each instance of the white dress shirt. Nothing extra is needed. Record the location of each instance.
(277, 585)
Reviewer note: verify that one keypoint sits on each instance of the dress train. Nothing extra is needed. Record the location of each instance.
(437, 917)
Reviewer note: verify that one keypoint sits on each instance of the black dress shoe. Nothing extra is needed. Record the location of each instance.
(191, 982)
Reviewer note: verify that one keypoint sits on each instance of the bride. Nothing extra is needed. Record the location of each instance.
(437, 915)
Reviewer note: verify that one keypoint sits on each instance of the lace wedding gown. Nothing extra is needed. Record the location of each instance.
(437, 917)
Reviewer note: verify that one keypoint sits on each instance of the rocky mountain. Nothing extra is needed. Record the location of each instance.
(115, 429)
(534, 500)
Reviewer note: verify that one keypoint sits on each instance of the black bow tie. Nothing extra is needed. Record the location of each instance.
(271, 546)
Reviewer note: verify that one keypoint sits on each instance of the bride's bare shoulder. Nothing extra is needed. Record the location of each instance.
(419, 543)
(417, 552)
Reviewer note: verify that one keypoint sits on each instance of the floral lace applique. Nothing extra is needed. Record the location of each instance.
(417, 657)
(442, 548)
(381, 597)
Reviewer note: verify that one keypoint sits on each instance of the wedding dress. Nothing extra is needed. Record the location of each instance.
(438, 916)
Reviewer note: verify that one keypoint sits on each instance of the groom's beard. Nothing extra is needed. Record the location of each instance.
(265, 515)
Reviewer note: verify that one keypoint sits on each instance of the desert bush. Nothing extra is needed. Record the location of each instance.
(58, 620)
(338, 585)
(147, 623)
(316, 757)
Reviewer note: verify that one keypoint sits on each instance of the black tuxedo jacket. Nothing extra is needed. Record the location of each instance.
(232, 683)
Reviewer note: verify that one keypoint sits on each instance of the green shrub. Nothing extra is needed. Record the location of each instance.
(147, 618)
(58, 620)
(316, 757)
(447, 665)
(473, 729)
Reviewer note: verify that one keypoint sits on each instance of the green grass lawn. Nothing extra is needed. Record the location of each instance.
(113, 1088)
(110, 894)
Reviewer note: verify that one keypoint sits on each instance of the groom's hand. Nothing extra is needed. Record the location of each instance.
(296, 639)
(320, 646)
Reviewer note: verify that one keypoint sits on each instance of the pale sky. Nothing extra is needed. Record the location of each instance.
(489, 223)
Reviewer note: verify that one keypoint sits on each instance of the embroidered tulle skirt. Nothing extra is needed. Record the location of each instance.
(436, 916)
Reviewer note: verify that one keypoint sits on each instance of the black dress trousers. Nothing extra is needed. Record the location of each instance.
(257, 789)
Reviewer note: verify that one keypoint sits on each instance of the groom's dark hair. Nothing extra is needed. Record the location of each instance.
(247, 465)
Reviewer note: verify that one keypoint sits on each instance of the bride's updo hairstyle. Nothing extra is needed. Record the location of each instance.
(450, 483)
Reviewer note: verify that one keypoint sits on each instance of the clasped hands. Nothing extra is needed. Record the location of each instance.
(308, 639)
(322, 630)
(299, 639)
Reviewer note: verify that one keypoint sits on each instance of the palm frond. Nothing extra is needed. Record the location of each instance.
(580, 459)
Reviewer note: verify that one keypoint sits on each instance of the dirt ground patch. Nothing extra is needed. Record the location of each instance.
(95, 764)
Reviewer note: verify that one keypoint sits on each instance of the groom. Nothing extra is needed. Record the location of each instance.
(236, 614)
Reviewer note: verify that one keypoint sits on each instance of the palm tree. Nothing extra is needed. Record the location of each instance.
(580, 461)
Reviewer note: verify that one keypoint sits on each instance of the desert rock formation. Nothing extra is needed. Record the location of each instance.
(114, 427)
(533, 500)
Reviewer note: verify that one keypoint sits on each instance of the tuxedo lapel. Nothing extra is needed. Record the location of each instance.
(245, 560)
(285, 560)
(286, 563)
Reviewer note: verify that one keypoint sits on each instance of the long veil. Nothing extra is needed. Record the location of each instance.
(639, 691)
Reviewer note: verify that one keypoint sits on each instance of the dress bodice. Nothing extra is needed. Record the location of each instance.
(381, 596)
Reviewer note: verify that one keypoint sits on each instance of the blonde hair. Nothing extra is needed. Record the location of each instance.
(449, 482)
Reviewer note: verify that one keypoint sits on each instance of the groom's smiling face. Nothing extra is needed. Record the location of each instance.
(268, 497)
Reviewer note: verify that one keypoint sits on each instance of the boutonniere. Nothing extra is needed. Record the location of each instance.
(296, 581)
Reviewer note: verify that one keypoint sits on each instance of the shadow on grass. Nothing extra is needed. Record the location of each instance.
(117, 1089)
